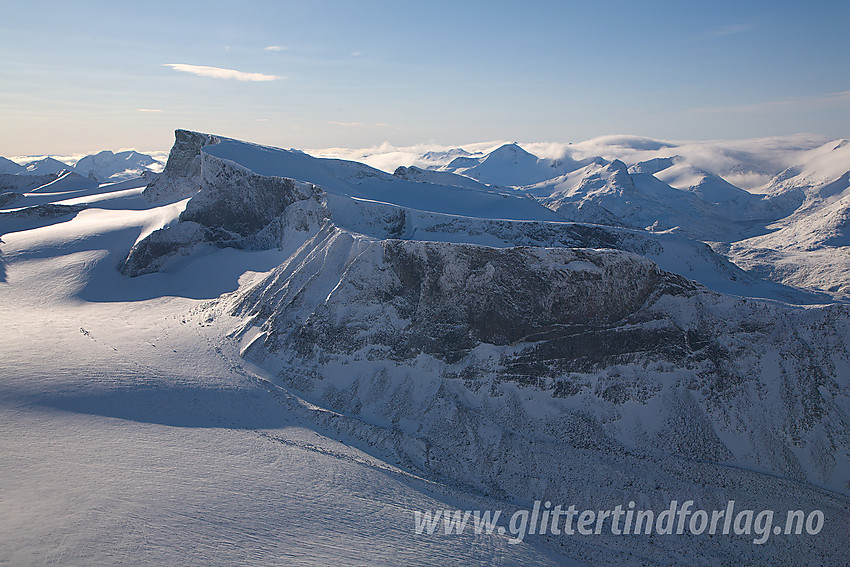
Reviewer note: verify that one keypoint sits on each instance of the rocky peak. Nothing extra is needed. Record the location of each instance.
(179, 178)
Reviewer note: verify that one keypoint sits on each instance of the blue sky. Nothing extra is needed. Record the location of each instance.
(76, 77)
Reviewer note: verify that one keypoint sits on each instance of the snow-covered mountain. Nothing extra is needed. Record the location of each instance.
(481, 333)
(9, 167)
(45, 166)
(511, 165)
(444, 157)
(104, 166)
(115, 167)
(810, 248)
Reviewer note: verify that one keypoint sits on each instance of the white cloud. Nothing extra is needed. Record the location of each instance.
(275, 48)
(731, 29)
(346, 123)
(219, 73)
(388, 157)
(723, 31)
(149, 110)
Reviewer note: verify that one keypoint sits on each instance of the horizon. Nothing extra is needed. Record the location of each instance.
(542, 149)
(371, 155)
(333, 74)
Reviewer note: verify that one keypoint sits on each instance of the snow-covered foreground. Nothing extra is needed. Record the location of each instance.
(132, 434)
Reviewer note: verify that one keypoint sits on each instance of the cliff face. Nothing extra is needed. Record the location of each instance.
(182, 170)
(455, 296)
(237, 209)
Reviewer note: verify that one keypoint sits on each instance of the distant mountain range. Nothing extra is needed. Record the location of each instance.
(103, 167)
(786, 221)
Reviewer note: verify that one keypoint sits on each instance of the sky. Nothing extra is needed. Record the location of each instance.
(85, 76)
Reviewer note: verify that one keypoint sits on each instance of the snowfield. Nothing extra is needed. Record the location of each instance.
(265, 357)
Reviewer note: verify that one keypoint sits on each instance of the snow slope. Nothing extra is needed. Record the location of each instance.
(810, 248)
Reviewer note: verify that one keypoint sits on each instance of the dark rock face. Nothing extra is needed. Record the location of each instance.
(501, 296)
(231, 208)
(240, 202)
(183, 159)
(447, 299)
(153, 252)
(182, 170)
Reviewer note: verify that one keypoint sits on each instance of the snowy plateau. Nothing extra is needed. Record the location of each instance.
(259, 356)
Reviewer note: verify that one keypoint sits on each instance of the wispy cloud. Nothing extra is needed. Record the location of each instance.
(730, 30)
(275, 48)
(766, 106)
(219, 73)
(346, 123)
(723, 31)
(149, 110)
